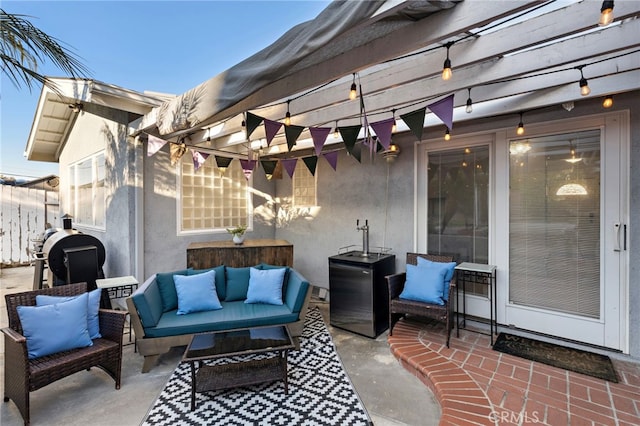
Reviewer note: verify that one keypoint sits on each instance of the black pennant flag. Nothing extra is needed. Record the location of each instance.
(415, 121)
(292, 133)
(311, 163)
(350, 135)
(252, 123)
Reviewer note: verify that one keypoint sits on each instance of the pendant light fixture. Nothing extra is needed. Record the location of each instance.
(608, 102)
(336, 132)
(584, 85)
(469, 108)
(446, 68)
(520, 129)
(287, 117)
(447, 135)
(606, 13)
(353, 92)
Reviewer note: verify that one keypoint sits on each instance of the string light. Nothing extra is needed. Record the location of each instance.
(394, 127)
(287, 117)
(584, 86)
(469, 108)
(446, 68)
(447, 135)
(608, 102)
(336, 133)
(520, 129)
(606, 13)
(353, 93)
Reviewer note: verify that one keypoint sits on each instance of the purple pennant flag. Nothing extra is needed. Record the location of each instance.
(319, 136)
(271, 128)
(289, 165)
(154, 145)
(198, 158)
(383, 131)
(247, 167)
(444, 110)
(332, 158)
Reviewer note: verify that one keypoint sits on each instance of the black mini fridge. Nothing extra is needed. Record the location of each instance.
(359, 299)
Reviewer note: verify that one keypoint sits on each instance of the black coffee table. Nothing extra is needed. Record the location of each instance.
(248, 341)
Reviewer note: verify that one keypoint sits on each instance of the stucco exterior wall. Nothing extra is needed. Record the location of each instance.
(98, 129)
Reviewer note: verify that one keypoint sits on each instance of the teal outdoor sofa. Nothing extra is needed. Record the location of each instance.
(158, 327)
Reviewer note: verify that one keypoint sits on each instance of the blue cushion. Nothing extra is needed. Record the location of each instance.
(93, 320)
(265, 286)
(237, 283)
(197, 293)
(449, 267)
(148, 303)
(55, 328)
(296, 291)
(167, 288)
(424, 285)
(221, 284)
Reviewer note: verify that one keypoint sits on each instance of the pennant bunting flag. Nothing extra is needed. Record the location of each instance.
(223, 163)
(292, 133)
(311, 163)
(289, 165)
(269, 166)
(356, 152)
(154, 144)
(332, 158)
(319, 136)
(270, 129)
(247, 167)
(415, 121)
(252, 123)
(198, 158)
(383, 131)
(444, 110)
(177, 151)
(350, 135)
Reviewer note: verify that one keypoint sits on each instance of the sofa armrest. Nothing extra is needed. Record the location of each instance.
(112, 324)
(395, 284)
(296, 292)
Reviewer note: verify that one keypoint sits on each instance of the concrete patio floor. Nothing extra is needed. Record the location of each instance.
(391, 394)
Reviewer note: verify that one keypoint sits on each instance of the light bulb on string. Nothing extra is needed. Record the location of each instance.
(447, 135)
(394, 127)
(584, 85)
(446, 68)
(469, 108)
(353, 92)
(520, 129)
(287, 117)
(336, 133)
(606, 13)
(608, 102)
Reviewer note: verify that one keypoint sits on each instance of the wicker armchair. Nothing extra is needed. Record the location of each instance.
(23, 375)
(398, 308)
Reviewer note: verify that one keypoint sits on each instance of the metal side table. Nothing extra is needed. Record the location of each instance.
(476, 273)
(117, 288)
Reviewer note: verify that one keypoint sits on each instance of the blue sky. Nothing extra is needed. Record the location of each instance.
(163, 46)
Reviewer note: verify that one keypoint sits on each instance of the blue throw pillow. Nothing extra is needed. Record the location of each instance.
(449, 267)
(237, 283)
(93, 319)
(265, 286)
(197, 293)
(167, 288)
(55, 328)
(221, 284)
(423, 285)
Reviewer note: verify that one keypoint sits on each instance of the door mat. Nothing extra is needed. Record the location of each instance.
(579, 361)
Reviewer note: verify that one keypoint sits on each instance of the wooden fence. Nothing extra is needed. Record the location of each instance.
(24, 214)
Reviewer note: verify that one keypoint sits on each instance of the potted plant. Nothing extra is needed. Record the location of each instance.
(237, 233)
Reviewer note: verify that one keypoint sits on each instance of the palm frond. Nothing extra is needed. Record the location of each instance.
(23, 47)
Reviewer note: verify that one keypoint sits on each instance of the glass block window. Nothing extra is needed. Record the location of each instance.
(210, 200)
(304, 186)
(87, 191)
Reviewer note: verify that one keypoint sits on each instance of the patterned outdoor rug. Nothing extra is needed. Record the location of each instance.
(320, 392)
(591, 364)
